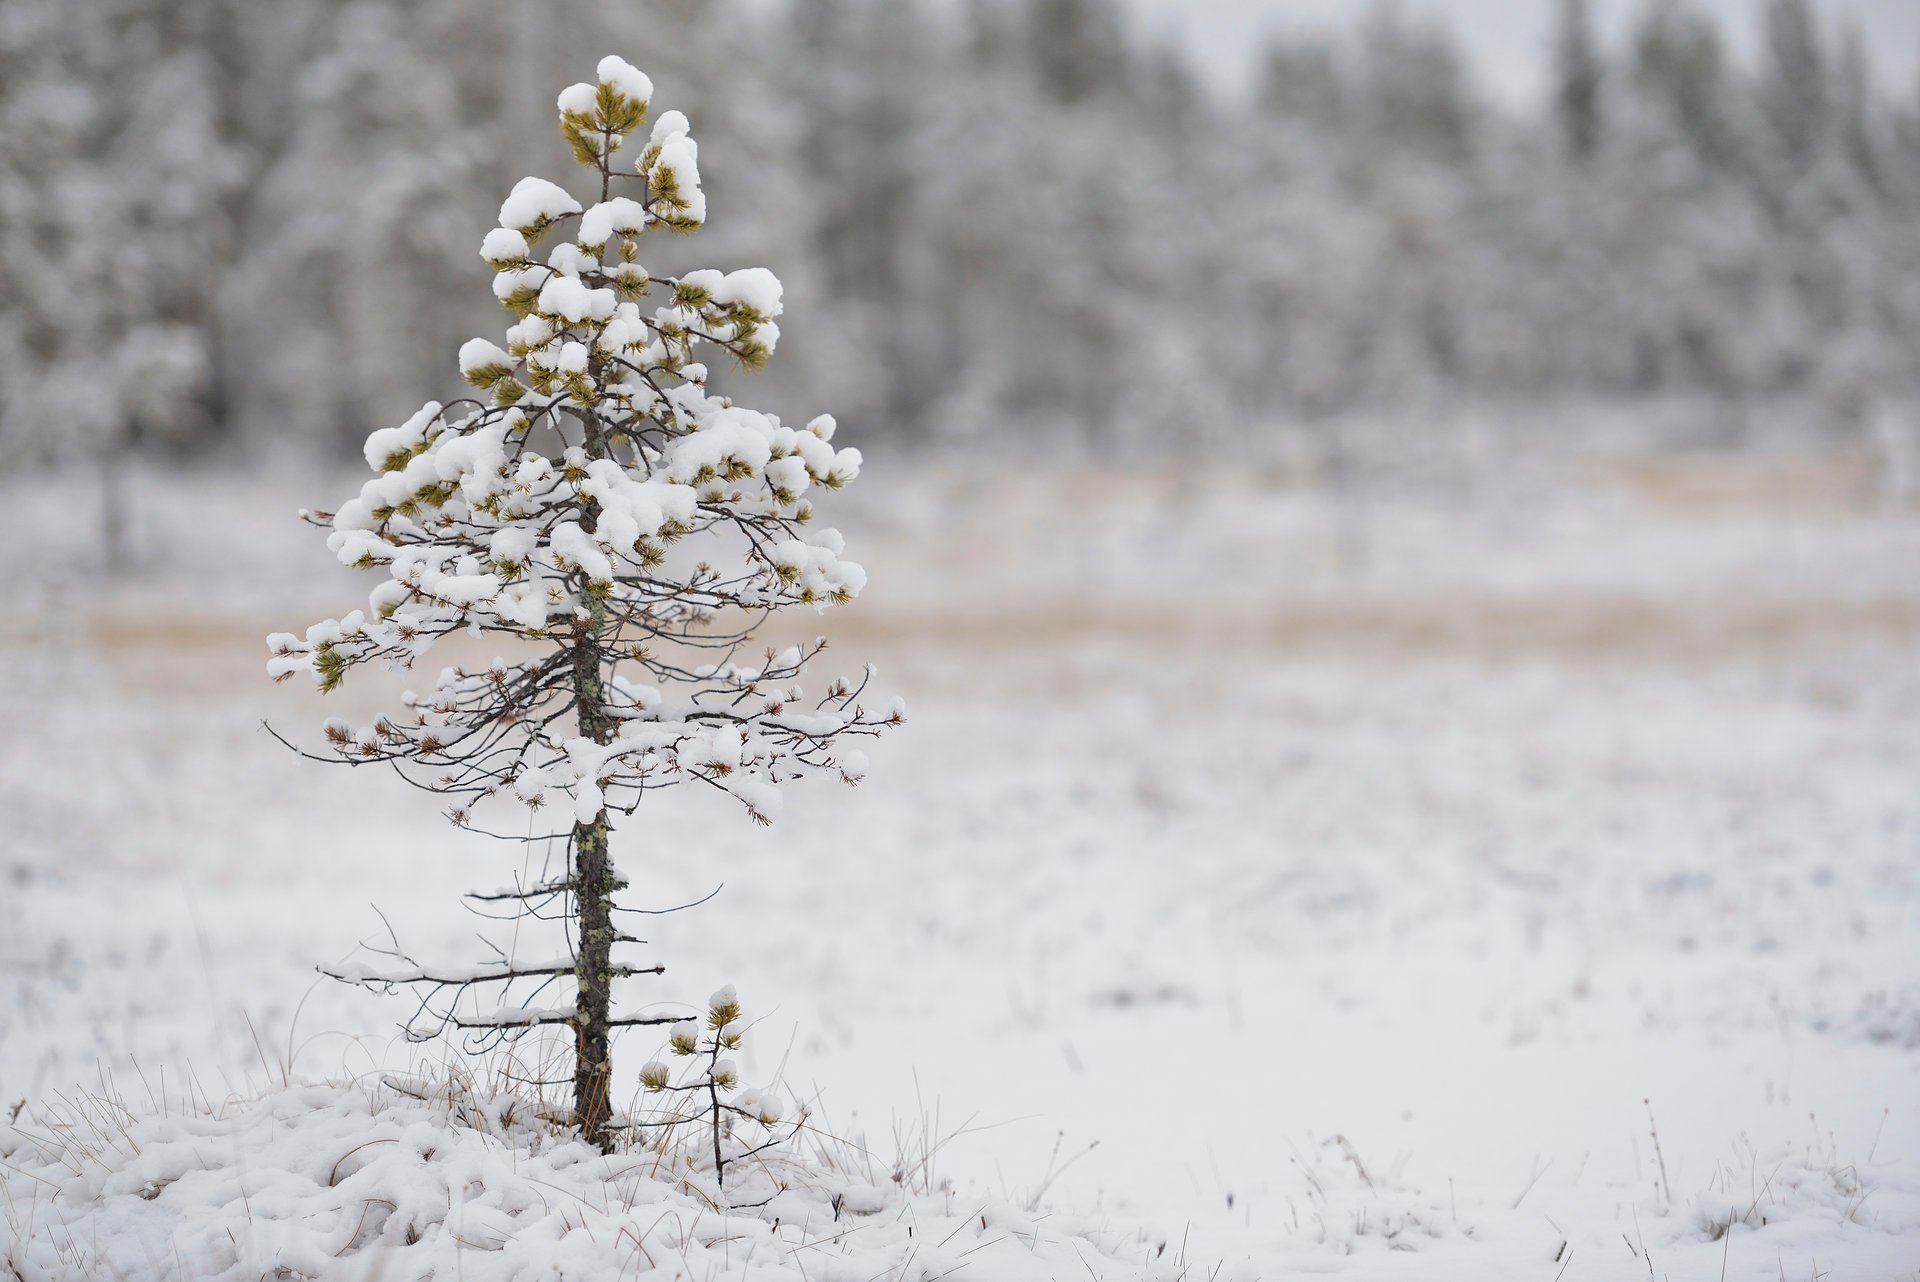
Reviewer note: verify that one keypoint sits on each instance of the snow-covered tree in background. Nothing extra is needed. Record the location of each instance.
(215, 232)
(113, 196)
(1577, 77)
(623, 530)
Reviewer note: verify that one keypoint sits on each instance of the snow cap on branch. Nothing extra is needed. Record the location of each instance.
(535, 204)
(671, 163)
(625, 79)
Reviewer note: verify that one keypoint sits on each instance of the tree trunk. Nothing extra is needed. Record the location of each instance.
(594, 882)
(594, 878)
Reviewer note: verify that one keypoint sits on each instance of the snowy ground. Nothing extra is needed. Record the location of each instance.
(1366, 879)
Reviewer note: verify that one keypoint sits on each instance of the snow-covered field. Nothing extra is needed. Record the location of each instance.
(1316, 887)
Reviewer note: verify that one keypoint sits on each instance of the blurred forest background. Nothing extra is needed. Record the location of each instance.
(1406, 585)
(225, 224)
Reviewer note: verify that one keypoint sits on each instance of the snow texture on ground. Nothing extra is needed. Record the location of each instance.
(1349, 885)
(366, 1183)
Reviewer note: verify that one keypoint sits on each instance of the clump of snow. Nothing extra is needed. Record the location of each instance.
(672, 165)
(394, 1179)
(620, 214)
(671, 125)
(625, 79)
(478, 353)
(386, 443)
(533, 203)
(503, 246)
(753, 287)
(577, 100)
(568, 299)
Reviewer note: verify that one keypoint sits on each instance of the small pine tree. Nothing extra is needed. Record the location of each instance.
(625, 530)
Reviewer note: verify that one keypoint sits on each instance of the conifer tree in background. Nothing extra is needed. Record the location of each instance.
(1578, 75)
(1795, 91)
(114, 195)
(1681, 76)
(214, 232)
(624, 530)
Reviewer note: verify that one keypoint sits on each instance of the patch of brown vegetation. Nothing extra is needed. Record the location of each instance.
(206, 653)
(1838, 481)
(1568, 629)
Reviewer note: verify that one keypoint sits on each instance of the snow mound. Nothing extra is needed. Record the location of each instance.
(1331, 1203)
(1789, 1193)
(347, 1181)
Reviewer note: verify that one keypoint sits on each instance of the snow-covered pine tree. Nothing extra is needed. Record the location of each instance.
(624, 530)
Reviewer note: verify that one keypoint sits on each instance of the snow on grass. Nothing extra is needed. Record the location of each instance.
(392, 1181)
(1354, 912)
(1797, 1196)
